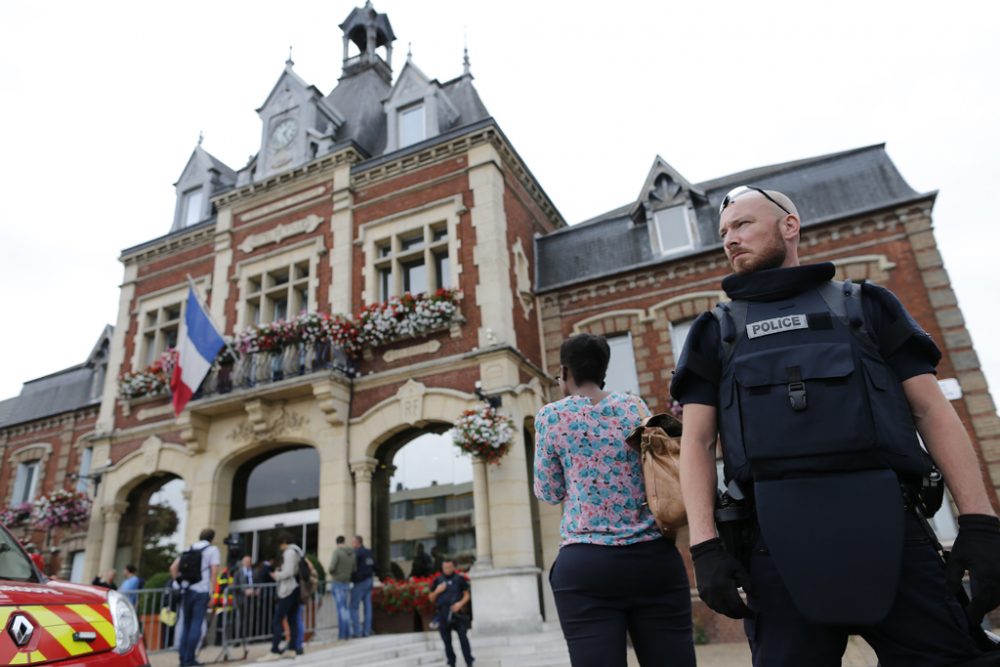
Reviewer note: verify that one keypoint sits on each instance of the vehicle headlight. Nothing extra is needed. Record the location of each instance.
(125, 621)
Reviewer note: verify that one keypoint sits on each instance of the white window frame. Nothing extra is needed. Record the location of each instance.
(25, 489)
(76, 574)
(147, 332)
(622, 353)
(83, 472)
(679, 331)
(383, 242)
(687, 227)
(193, 205)
(250, 273)
(408, 112)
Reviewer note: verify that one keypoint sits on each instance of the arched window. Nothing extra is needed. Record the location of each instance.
(276, 483)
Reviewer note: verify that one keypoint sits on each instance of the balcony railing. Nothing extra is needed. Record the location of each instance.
(261, 368)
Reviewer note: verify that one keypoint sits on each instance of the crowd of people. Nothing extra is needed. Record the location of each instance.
(269, 598)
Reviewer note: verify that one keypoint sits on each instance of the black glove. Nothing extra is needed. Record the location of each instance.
(718, 575)
(976, 549)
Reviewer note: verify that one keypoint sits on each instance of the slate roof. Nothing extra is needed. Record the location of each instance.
(64, 391)
(358, 97)
(824, 188)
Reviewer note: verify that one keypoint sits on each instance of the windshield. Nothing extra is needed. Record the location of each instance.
(14, 563)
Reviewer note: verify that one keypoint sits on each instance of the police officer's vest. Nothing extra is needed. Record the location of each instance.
(804, 390)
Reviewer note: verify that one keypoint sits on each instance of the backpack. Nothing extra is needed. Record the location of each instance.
(659, 445)
(190, 565)
(307, 577)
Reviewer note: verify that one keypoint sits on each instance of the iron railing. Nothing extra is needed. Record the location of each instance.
(240, 615)
(258, 368)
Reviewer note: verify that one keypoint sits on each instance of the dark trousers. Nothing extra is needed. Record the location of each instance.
(925, 627)
(459, 626)
(604, 592)
(288, 608)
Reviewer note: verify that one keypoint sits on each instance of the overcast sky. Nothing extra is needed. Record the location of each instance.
(102, 104)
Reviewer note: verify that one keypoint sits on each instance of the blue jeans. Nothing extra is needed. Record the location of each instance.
(361, 593)
(342, 596)
(193, 607)
(302, 624)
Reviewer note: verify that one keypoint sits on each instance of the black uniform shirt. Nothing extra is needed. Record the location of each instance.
(457, 585)
(916, 355)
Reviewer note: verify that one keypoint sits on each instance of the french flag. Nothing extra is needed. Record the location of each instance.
(196, 350)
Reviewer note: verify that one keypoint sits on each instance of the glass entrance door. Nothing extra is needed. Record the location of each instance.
(260, 534)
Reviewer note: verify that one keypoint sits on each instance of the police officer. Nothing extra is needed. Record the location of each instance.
(818, 390)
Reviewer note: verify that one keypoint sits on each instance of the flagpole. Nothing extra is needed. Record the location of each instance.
(208, 313)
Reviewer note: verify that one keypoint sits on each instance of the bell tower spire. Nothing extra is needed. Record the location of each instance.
(368, 31)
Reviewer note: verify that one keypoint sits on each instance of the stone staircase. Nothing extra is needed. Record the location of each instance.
(540, 649)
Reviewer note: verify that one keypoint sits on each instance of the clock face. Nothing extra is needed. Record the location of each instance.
(283, 134)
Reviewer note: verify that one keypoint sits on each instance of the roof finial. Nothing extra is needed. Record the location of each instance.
(201, 137)
(289, 62)
(466, 70)
(409, 50)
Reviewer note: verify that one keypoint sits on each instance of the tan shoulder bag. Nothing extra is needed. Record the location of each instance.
(659, 445)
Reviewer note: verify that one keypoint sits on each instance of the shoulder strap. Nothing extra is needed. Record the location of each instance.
(732, 318)
(844, 301)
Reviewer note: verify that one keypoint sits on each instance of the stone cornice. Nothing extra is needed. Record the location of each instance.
(349, 155)
(484, 132)
(171, 244)
(50, 423)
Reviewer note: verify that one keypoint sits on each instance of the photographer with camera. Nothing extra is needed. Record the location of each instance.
(450, 594)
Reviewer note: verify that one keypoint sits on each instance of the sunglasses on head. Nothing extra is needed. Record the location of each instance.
(738, 192)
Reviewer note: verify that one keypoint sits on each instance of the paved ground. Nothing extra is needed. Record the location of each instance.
(711, 655)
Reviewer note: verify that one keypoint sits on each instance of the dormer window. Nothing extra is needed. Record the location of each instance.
(412, 127)
(673, 231)
(192, 207)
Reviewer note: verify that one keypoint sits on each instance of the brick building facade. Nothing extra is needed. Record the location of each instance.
(406, 184)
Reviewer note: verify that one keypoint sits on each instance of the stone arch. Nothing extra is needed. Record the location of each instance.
(678, 309)
(154, 457)
(613, 322)
(413, 405)
(875, 268)
(382, 431)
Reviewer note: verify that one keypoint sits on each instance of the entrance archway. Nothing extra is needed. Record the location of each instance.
(274, 492)
(152, 526)
(422, 499)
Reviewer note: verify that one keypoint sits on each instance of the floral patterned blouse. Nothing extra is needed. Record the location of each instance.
(581, 459)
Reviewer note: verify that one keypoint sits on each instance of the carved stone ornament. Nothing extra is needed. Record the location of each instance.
(411, 401)
(285, 422)
(281, 232)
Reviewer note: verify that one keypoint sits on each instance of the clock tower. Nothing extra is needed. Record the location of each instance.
(297, 124)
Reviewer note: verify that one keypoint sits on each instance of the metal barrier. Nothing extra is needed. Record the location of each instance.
(239, 615)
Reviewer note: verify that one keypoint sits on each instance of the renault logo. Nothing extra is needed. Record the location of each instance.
(20, 630)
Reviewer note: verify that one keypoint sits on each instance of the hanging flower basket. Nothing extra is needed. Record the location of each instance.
(484, 432)
(16, 515)
(61, 509)
(153, 380)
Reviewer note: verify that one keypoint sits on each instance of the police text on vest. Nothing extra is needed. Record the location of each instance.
(777, 325)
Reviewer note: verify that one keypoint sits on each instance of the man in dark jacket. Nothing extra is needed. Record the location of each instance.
(361, 592)
(450, 595)
(840, 546)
